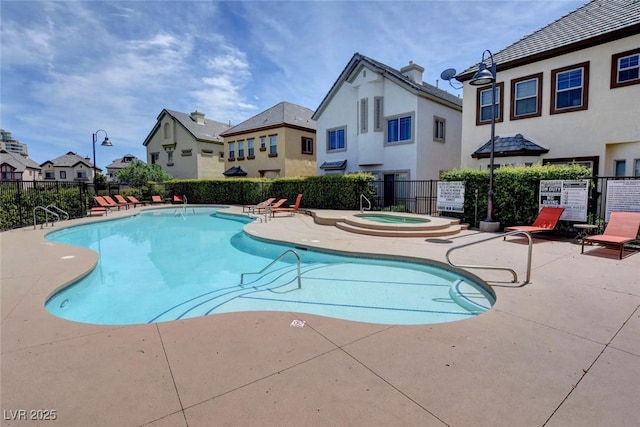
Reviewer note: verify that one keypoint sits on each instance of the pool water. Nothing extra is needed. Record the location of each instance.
(163, 265)
(393, 219)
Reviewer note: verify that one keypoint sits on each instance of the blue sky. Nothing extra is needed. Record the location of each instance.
(69, 68)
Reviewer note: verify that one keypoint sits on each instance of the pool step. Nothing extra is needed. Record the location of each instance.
(436, 227)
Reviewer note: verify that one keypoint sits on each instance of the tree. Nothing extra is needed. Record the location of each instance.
(138, 174)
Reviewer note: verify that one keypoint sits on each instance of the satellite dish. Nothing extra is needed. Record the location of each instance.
(448, 74)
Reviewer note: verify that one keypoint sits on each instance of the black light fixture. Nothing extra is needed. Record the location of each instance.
(105, 143)
(484, 77)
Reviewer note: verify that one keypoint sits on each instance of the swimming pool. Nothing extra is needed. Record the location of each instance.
(392, 219)
(163, 265)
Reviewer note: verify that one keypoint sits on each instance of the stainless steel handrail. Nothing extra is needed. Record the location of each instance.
(273, 262)
(66, 215)
(46, 216)
(487, 267)
(362, 196)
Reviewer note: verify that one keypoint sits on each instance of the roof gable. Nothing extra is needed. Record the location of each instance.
(208, 131)
(281, 114)
(69, 160)
(420, 89)
(596, 22)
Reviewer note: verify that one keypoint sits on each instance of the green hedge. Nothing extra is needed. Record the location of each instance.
(516, 191)
(326, 192)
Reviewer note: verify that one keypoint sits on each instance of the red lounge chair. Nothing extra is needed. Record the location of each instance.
(269, 209)
(259, 207)
(135, 201)
(545, 221)
(156, 199)
(622, 228)
(291, 210)
(123, 201)
(114, 203)
(104, 203)
(177, 198)
(95, 211)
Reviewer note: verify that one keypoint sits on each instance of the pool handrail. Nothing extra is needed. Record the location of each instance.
(487, 267)
(57, 209)
(273, 262)
(46, 215)
(362, 196)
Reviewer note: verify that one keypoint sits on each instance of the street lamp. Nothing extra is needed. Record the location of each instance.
(483, 77)
(105, 143)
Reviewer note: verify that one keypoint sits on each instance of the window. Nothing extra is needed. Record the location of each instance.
(49, 175)
(483, 104)
(620, 167)
(169, 158)
(154, 158)
(307, 145)
(570, 87)
(625, 68)
(399, 129)
(636, 167)
(378, 114)
(63, 174)
(439, 125)
(263, 144)
(526, 99)
(79, 174)
(364, 115)
(232, 151)
(240, 150)
(273, 145)
(336, 139)
(250, 150)
(186, 153)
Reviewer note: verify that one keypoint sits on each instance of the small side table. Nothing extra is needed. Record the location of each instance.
(585, 230)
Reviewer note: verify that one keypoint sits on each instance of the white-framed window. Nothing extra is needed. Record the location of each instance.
(337, 139)
(625, 68)
(170, 158)
(439, 128)
(241, 149)
(232, 150)
(63, 174)
(485, 104)
(399, 129)
(570, 88)
(81, 174)
(263, 143)
(307, 145)
(250, 148)
(526, 97)
(273, 145)
(364, 115)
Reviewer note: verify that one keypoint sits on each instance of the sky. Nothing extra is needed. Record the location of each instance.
(71, 69)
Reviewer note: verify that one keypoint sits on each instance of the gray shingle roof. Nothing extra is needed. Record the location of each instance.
(209, 131)
(17, 161)
(69, 160)
(424, 89)
(280, 114)
(597, 21)
(121, 163)
(510, 146)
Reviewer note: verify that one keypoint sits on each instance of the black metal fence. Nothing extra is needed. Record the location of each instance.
(19, 199)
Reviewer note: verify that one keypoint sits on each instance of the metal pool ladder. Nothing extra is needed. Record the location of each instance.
(273, 262)
(362, 198)
(488, 267)
(47, 212)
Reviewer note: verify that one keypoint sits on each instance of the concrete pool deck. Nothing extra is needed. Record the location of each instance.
(563, 350)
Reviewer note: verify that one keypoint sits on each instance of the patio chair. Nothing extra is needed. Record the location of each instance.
(136, 202)
(104, 203)
(156, 199)
(114, 203)
(291, 209)
(622, 228)
(546, 220)
(178, 198)
(259, 207)
(123, 201)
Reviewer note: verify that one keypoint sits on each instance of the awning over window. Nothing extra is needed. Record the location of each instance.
(334, 166)
(506, 146)
(234, 171)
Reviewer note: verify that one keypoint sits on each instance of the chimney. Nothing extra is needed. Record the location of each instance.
(413, 72)
(198, 117)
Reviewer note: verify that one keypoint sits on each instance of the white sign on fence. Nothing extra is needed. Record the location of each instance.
(622, 195)
(450, 196)
(572, 195)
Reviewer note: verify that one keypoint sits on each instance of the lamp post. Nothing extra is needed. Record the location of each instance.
(105, 143)
(483, 77)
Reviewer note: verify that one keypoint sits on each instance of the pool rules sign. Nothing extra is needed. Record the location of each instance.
(450, 196)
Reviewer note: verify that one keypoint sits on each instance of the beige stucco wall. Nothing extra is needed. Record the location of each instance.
(289, 162)
(611, 117)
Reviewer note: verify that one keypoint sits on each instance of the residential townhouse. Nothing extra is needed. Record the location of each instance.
(389, 123)
(278, 142)
(68, 167)
(118, 164)
(186, 145)
(18, 167)
(567, 93)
